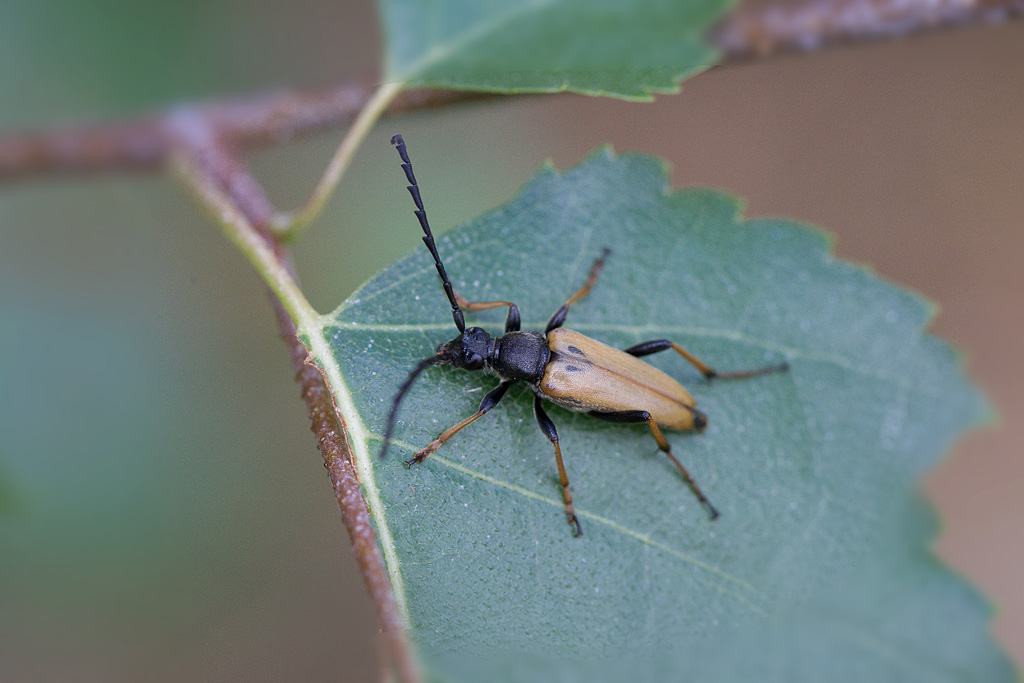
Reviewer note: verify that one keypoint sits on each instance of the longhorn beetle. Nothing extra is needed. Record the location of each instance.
(563, 367)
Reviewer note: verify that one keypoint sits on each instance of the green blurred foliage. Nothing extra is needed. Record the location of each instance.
(172, 519)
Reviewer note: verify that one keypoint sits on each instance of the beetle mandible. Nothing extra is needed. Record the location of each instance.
(562, 367)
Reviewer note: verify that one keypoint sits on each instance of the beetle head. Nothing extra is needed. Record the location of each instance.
(469, 350)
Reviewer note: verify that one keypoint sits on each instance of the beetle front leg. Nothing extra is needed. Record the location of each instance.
(511, 320)
(548, 427)
(656, 345)
(635, 416)
(490, 400)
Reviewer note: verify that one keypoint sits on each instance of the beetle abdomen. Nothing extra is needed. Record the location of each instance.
(584, 374)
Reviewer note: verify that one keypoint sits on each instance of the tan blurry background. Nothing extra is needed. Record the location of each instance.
(172, 519)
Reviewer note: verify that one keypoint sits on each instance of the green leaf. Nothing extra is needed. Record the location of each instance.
(819, 563)
(596, 47)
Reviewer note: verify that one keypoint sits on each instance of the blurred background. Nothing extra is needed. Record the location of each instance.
(166, 514)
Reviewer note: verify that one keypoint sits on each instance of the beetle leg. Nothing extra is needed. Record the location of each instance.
(490, 400)
(548, 427)
(559, 317)
(667, 450)
(649, 347)
(511, 320)
(635, 416)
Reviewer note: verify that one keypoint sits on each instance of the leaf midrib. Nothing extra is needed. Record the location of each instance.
(440, 51)
(355, 430)
(790, 352)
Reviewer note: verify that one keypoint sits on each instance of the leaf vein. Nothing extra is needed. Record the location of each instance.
(791, 352)
(645, 539)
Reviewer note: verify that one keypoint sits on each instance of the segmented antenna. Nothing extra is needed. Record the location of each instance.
(428, 237)
(420, 367)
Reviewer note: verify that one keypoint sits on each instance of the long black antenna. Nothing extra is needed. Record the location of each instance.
(420, 367)
(428, 238)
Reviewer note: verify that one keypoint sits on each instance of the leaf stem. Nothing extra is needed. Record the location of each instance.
(288, 225)
(248, 240)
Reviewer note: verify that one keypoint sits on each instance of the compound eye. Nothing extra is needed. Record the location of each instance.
(473, 361)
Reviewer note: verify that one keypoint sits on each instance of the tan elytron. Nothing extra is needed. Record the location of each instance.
(584, 374)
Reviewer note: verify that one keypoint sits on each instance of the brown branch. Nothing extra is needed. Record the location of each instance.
(330, 436)
(145, 143)
(218, 166)
(757, 29)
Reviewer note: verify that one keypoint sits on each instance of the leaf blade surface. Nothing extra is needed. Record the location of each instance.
(621, 49)
(813, 470)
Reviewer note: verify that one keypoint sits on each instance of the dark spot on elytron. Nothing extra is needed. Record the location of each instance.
(573, 349)
(572, 368)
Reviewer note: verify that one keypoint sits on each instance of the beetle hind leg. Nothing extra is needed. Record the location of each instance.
(636, 416)
(548, 427)
(667, 450)
(656, 345)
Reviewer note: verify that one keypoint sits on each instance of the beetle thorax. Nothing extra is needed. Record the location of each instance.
(520, 356)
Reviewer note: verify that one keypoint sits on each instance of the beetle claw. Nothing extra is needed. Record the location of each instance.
(577, 530)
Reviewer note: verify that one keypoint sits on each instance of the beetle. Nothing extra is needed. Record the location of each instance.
(563, 367)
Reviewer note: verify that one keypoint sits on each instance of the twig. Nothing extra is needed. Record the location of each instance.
(289, 225)
(762, 29)
(240, 205)
(330, 437)
(144, 143)
(755, 30)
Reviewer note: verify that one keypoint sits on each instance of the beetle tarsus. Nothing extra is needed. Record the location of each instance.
(757, 372)
(420, 457)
